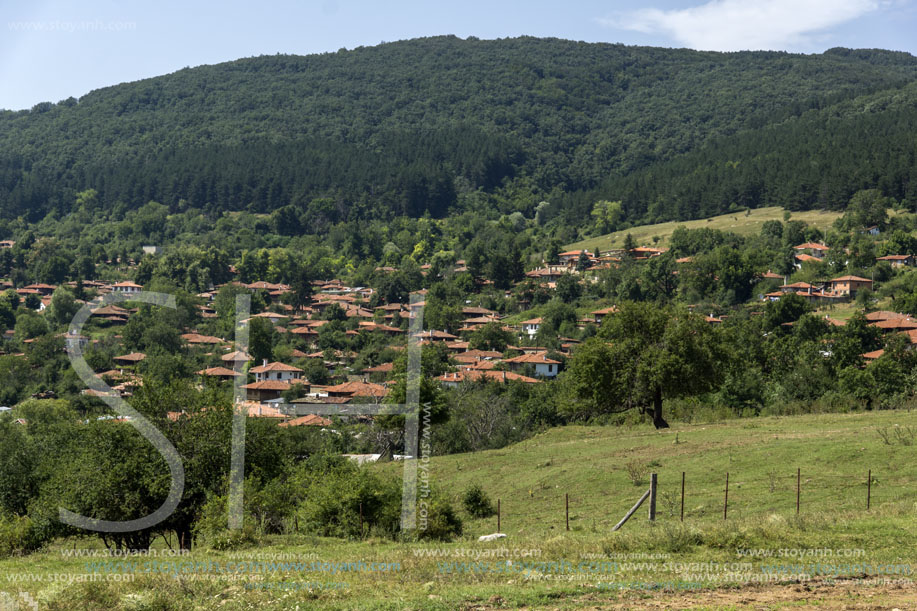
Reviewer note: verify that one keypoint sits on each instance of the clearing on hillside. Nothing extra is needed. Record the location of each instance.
(741, 223)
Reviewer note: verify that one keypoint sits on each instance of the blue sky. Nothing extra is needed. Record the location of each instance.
(50, 50)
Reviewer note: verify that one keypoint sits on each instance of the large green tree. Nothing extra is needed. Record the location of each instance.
(642, 355)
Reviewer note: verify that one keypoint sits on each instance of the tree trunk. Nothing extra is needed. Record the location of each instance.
(183, 533)
(658, 421)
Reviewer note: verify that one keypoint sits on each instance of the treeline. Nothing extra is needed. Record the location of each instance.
(296, 481)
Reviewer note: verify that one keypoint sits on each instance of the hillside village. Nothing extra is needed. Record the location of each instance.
(332, 343)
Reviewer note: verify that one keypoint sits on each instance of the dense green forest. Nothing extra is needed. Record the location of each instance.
(407, 128)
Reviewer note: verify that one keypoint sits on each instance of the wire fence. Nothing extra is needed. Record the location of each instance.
(704, 496)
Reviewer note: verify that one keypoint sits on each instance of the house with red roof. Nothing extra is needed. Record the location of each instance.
(849, 285)
(544, 367)
(457, 378)
(277, 372)
(813, 249)
(127, 287)
(897, 260)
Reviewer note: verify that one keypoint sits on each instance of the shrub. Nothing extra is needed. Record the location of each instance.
(636, 471)
(477, 503)
(442, 524)
(17, 536)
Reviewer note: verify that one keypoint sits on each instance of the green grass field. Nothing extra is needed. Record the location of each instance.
(737, 222)
(596, 466)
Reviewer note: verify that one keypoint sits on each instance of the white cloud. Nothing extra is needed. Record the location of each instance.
(735, 25)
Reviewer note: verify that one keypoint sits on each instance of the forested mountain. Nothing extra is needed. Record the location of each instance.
(413, 127)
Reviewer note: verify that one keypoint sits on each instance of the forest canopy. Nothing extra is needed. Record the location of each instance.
(416, 127)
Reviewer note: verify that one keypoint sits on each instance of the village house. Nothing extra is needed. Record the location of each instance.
(530, 327)
(129, 360)
(113, 314)
(813, 249)
(127, 287)
(470, 357)
(219, 372)
(571, 256)
(257, 410)
(354, 390)
(196, 339)
(435, 336)
(43, 289)
(271, 316)
(897, 260)
(477, 312)
(277, 371)
(799, 288)
(307, 420)
(550, 273)
(599, 315)
(73, 341)
(236, 357)
(646, 252)
(544, 367)
(849, 285)
(265, 390)
(456, 379)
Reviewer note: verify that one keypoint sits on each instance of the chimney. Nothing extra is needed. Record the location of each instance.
(504, 376)
(264, 362)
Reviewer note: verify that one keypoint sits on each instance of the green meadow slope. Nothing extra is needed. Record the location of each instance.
(737, 222)
(668, 564)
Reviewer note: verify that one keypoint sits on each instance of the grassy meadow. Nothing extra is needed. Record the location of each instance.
(604, 470)
(741, 223)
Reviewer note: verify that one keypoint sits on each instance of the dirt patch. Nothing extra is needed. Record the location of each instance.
(816, 594)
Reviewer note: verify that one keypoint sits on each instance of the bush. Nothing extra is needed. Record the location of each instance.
(331, 498)
(213, 524)
(227, 540)
(441, 523)
(477, 503)
(636, 471)
(17, 536)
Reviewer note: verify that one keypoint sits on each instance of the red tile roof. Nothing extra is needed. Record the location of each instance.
(133, 357)
(358, 389)
(197, 338)
(476, 374)
(538, 357)
(307, 420)
(274, 367)
(851, 279)
(268, 385)
(218, 372)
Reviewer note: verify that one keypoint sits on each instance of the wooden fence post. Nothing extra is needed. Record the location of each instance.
(726, 499)
(631, 512)
(868, 488)
(567, 508)
(797, 489)
(498, 515)
(682, 496)
(653, 483)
